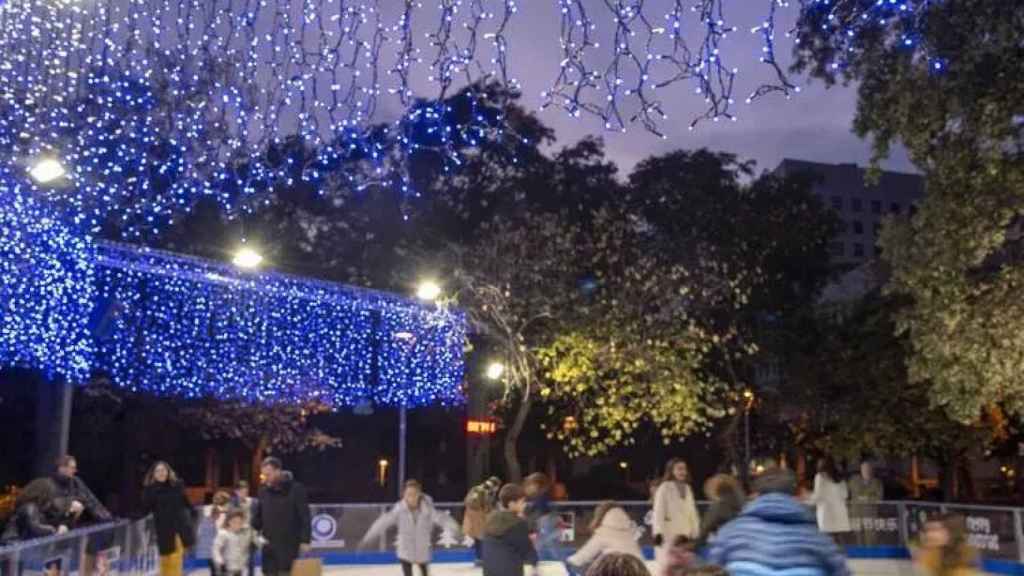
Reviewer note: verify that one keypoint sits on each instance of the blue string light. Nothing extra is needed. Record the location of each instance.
(843, 23)
(648, 52)
(173, 325)
(46, 286)
(193, 328)
(153, 104)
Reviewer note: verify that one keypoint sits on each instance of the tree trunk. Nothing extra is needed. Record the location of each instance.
(257, 461)
(212, 482)
(512, 467)
(965, 481)
(947, 477)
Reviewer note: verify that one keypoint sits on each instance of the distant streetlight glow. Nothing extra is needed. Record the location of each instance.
(495, 371)
(47, 171)
(246, 257)
(428, 290)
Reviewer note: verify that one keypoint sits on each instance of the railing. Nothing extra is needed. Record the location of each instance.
(129, 547)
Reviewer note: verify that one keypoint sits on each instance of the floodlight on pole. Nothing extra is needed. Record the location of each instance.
(47, 170)
(428, 290)
(247, 257)
(495, 370)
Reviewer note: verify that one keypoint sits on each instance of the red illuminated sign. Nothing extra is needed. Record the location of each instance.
(481, 427)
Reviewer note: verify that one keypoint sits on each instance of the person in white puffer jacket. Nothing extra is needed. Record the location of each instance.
(613, 531)
(233, 544)
(415, 517)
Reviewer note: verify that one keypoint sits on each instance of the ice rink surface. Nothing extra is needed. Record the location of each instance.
(858, 567)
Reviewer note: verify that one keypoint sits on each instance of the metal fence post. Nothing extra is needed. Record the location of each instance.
(384, 535)
(1018, 534)
(904, 529)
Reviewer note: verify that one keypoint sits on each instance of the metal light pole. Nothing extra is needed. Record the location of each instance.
(748, 396)
(401, 450)
(746, 439)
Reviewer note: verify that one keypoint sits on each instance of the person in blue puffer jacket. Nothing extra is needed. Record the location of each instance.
(776, 535)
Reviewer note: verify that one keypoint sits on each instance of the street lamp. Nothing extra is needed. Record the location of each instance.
(495, 370)
(428, 290)
(47, 170)
(748, 398)
(247, 258)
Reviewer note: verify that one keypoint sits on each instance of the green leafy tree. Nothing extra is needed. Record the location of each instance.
(635, 353)
(944, 80)
(849, 393)
(517, 282)
(770, 237)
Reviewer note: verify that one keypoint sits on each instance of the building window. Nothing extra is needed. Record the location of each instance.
(856, 204)
(837, 202)
(836, 249)
(858, 227)
(858, 250)
(844, 226)
(895, 208)
(876, 206)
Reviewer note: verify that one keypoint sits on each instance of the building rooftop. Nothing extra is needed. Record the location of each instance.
(850, 179)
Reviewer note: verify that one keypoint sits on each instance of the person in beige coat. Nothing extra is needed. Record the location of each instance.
(612, 531)
(675, 510)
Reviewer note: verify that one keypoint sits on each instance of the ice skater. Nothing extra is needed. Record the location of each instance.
(415, 517)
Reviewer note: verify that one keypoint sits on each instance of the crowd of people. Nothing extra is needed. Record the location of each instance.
(514, 526)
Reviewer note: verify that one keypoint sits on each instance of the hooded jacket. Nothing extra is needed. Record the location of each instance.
(776, 534)
(506, 545)
(283, 518)
(415, 528)
(615, 534)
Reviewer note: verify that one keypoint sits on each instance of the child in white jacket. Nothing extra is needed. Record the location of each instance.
(415, 517)
(232, 545)
(612, 531)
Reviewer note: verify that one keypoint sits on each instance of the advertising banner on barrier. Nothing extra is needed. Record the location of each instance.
(990, 531)
(875, 524)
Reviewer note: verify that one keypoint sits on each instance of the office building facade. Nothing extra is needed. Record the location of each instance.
(861, 205)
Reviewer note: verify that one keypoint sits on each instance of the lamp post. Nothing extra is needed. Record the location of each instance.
(748, 399)
(401, 450)
(428, 291)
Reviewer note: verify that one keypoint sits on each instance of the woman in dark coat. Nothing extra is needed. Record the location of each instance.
(164, 497)
(29, 520)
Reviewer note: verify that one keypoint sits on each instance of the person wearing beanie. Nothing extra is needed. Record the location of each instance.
(775, 533)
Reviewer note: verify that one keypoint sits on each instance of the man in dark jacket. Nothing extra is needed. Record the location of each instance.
(73, 504)
(776, 533)
(507, 546)
(282, 515)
